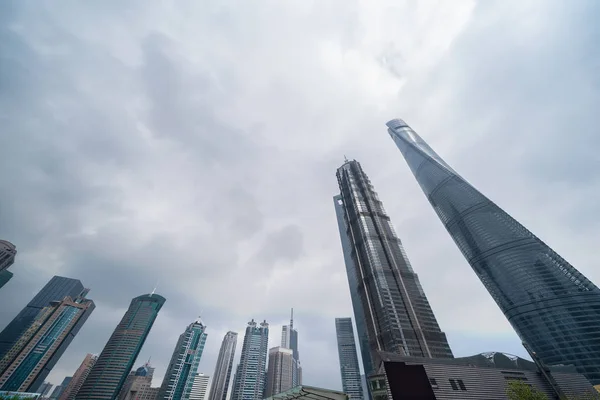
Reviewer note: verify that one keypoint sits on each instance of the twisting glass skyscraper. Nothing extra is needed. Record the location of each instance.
(552, 306)
(108, 375)
(222, 375)
(179, 379)
(394, 313)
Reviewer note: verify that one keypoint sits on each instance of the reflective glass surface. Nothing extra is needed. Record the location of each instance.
(551, 305)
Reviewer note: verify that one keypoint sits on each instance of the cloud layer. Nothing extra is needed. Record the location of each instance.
(194, 144)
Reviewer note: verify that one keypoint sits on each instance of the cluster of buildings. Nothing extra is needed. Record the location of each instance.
(554, 309)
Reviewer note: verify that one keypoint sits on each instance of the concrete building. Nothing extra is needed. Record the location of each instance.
(108, 375)
(79, 377)
(484, 376)
(60, 388)
(222, 375)
(200, 387)
(28, 362)
(183, 367)
(45, 389)
(280, 373)
(138, 385)
(349, 368)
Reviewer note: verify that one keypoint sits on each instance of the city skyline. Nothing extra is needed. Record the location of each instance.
(136, 152)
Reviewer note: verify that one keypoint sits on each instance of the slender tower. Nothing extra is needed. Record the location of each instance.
(289, 340)
(116, 360)
(349, 369)
(28, 362)
(222, 375)
(551, 305)
(79, 377)
(249, 381)
(392, 311)
(179, 379)
(55, 290)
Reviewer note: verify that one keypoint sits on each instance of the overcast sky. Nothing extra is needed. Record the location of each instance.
(195, 143)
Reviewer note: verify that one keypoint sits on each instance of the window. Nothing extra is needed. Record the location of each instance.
(433, 382)
(453, 384)
(461, 384)
(457, 384)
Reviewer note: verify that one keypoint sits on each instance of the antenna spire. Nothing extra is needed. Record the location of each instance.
(155, 287)
(345, 158)
(292, 320)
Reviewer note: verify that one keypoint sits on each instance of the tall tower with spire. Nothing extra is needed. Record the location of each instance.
(289, 340)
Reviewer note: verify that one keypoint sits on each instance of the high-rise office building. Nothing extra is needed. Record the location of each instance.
(222, 375)
(179, 379)
(249, 380)
(55, 290)
(394, 311)
(289, 340)
(28, 362)
(44, 389)
(8, 251)
(200, 387)
(70, 391)
(280, 373)
(60, 388)
(349, 368)
(108, 375)
(552, 306)
(138, 385)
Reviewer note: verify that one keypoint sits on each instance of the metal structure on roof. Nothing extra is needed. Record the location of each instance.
(309, 393)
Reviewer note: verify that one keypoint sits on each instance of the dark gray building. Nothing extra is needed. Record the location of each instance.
(107, 376)
(483, 376)
(552, 306)
(352, 383)
(394, 313)
(55, 290)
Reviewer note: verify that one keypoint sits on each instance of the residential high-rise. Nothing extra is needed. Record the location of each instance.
(199, 388)
(28, 362)
(179, 378)
(79, 377)
(395, 315)
(349, 368)
(8, 251)
(552, 306)
(108, 375)
(222, 375)
(249, 380)
(55, 290)
(138, 385)
(289, 340)
(280, 374)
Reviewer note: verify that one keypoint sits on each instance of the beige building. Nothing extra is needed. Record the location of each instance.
(138, 385)
(79, 377)
(280, 374)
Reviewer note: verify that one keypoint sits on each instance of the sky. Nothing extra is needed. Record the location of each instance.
(195, 144)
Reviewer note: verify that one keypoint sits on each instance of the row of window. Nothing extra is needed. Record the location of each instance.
(456, 384)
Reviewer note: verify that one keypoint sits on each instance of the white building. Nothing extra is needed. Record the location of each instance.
(200, 387)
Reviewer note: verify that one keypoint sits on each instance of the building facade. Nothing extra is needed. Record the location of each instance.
(350, 370)
(222, 375)
(183, 367)
(280, 373)
(8, 251)
(57, 392)
(45, 389)
(250, 377)
(28, 362)
(108, 375)
(393, 307)
(289, 340)
(138, 385)
(79, 377)
(551, 305)
(483, 376)
(200, 387)
(55, 290)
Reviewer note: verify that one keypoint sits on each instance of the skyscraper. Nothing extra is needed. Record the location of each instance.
(55, 290)
(116, 360)
(199, 388)
(57, 392)
(289, 340)
(222, 375)
(553, 308)
(280, 374)
(393, 308)
(138, 385)
(249, 381)
(79, 377)
(179, 379)
(8, 251)
(349, 368)
(45, 389)
(28, 362)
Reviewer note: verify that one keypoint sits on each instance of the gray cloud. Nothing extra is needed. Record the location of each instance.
(196, 145)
